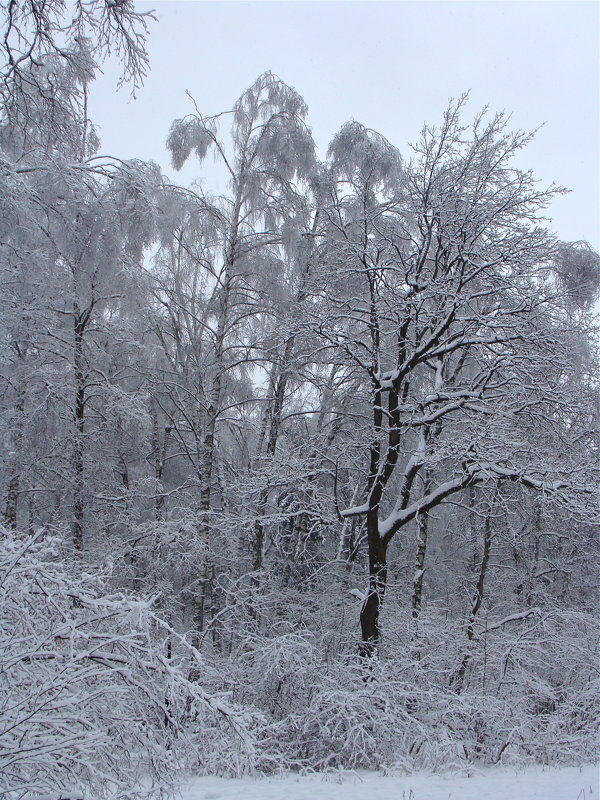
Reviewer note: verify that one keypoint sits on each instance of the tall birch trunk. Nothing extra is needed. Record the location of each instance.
(207, 452)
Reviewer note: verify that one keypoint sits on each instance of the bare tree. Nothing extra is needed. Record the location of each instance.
(435, 293)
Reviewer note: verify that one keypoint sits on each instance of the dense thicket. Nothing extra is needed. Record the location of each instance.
(234, 424)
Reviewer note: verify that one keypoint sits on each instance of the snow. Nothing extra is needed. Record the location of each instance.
(493, 783)
(362, 596)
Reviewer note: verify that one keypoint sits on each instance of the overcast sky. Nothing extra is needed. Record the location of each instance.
(390, 65)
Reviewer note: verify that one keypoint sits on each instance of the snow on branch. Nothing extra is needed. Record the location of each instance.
(97, 692)
(476, 472)
(530, 612)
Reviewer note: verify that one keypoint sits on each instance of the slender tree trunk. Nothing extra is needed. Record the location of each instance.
(274, 414)
(12, 497)
(207, 469)
(459, 676)
(214, 404)
(533, 568)
(345, 540)
(266, 416)
(216, 625)
(274, 427)
(12, 494)
(422, 521)
(81, 319)
(160, 455)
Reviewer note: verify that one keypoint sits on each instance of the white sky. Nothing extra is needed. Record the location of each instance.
(390, 65)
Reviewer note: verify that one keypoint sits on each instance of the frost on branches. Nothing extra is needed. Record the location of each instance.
(313, 463)
(97, 695)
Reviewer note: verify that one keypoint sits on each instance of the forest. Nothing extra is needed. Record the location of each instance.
(298, 474)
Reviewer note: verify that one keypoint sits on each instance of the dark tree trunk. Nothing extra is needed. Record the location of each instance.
(371, 608)
(458, 678)
(160, 449)
(275, 424)
(12, 494)
(81, 320)
(422, 521)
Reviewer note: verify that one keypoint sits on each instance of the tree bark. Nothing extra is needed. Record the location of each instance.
(422, 521)
(458, 678)
(274, 426)
(12, 494)
(215, 395)
(81, 319)
(371, 608)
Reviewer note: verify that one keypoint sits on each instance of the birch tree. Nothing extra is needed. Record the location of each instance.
(269, 147)
(74, 232)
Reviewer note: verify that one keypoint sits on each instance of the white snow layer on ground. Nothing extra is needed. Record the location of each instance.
(497, 783)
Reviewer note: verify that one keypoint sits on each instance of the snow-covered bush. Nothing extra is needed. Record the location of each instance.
(281, 672)
(529, 694)
(530, 689)
(546, 667)
(97, 694)
(321, 713)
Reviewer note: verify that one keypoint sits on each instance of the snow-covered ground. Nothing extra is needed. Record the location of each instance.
(501, 783)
